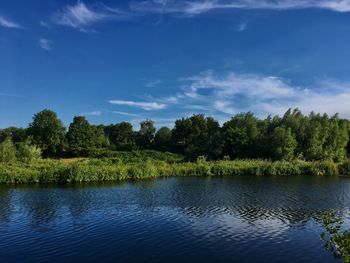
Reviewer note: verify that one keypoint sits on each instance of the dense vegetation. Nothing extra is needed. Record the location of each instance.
(294, 136)
(290, 145)
(127, 167)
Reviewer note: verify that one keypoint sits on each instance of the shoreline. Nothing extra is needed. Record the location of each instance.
(66, 171)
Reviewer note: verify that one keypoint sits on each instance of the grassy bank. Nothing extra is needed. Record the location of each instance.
(115, 169)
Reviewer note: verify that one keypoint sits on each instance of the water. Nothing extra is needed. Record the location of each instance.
(241, 219)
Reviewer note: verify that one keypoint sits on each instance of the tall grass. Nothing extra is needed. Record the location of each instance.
(114, 169)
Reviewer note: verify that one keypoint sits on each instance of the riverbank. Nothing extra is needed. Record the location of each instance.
(111, 169)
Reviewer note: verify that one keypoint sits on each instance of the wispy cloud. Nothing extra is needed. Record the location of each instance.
(242, 27)
(45, 44)
(81, 16)
(198, 7)
(230, 93)
(93, 113)
(153, 83)
(126, 114)
(138, 104)
(4, 22)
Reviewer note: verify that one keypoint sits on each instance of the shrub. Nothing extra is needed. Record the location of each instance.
(27, 153)
(7, 151)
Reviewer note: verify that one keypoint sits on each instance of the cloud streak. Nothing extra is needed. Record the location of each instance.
(81, 16)
(4, 22)
(143, 105)
(198, 7)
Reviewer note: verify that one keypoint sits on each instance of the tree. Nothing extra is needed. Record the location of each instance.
(145, 136)
(162, 139)
(80, 136)
(283, 144)
(121, 136)
(196, 136)
(16, 134)
(47, 132)
(100, 140)
(241, 136)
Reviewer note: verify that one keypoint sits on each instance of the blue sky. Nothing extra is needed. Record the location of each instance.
(118, 61)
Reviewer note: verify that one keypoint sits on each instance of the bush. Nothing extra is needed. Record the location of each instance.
(27, 153)
(7, 151)
(344, 168)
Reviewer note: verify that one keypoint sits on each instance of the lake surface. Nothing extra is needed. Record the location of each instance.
(231, 219)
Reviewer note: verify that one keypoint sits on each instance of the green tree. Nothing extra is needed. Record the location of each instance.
(241, 136)
(47, 132)
(197, 136)
(16, 134)
(283, 144)
(162, 139)
(80, 136)
(121, 136)
(145, 136)
(100, 140)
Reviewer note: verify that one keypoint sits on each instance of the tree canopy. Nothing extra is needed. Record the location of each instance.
(293, 136)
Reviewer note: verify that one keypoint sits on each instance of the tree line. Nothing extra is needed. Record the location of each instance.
(292, 136)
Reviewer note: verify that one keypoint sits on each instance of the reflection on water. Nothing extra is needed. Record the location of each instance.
(245, 219)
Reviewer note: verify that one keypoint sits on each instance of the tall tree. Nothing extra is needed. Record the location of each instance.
(241, 136)
(145, 136)
(47, 132)
(80, 136)
(162, 139)
(196, 136)
(121, 136)
(283, 144)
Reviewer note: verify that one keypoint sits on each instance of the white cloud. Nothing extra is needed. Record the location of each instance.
(233, 93)
(143, 105)
(223, 95)
(93, 113)
(4, 22)
(199, 7)
(45, 44)
(80, 16)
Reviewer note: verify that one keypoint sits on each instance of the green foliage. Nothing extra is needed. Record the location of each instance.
(196, 136)
(336, 239)
(7, 151)
(47, 131)
(241, 136)
(145, 136)
(26, 152)
(121, 136)
(283, 144)
(80, 135)
(162, 139)
(132, 167)
(344, 168)
(313, 137)
(16, 134)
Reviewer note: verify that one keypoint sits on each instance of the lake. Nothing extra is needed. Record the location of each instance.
(241, 219)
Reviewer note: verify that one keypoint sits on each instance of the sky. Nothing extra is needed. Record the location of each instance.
(114, 61)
